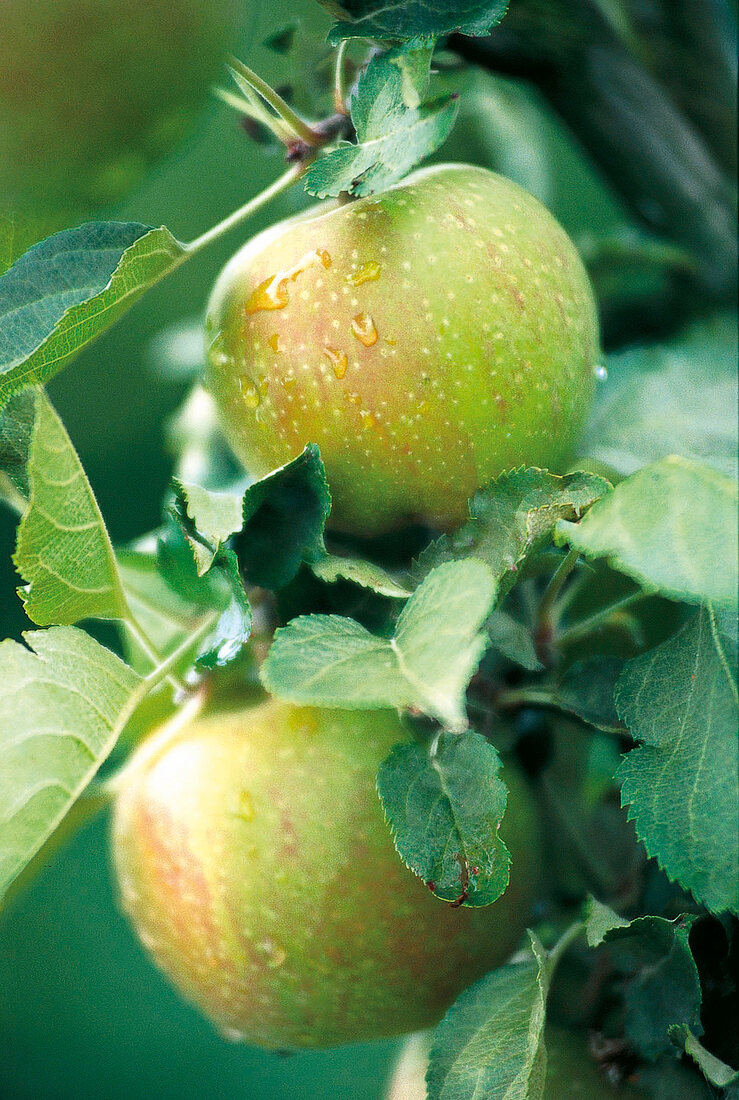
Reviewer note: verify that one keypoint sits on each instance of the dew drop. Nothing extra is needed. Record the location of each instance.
(270, 294)
(245, 806)
(354, 398)
(367, 273)
(364, 329)
(337, 359)
(600, 372)
(368, 420)
(250, 393)
(289, 382)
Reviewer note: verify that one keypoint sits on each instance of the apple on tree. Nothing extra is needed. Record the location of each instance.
(256, 865)
(427, 338)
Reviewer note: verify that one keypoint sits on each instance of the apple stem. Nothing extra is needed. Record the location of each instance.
(563, 944)
(586, 626)
(282, 183)
(546, 617)
(299, 127)
(340, 104)
(140, 638)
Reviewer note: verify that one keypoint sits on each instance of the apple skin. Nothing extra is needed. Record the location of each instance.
(427, 338)
(92, 93)
(255, 863)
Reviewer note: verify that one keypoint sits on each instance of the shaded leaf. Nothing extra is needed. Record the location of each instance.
(218, 592)
(63, 703)
(513, 639)
(284, 517)
(671, 526)
(588, 689)
(16, 427)
(681, 783)
(65, 291)
(327, 660)
(664, 989)
(444, 810)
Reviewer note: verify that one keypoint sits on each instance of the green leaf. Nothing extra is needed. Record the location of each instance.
(366, 574)
(284, 517)
(490, 1043)
(330, 661)
(681, 783)
(600, 920)
(394, 130)
(65, 291)
(712, 1068)
(63, 549)
(648, 408)
(444, 810)
(63, 703)
(672, 527)
(513, 517)
(215, 518)
(399, 20)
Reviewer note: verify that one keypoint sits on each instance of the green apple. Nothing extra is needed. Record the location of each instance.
(256, 865)
(93, 92)
(427, 338)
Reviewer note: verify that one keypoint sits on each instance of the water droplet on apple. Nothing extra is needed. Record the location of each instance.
(368, 420)
(367, 273)
(289, 382)
(270, 294)
(274, 342)
(364, 329)
(274, 953)
(600, 372)
(337, 359)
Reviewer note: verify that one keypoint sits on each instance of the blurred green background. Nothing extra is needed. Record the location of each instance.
(83, 1012)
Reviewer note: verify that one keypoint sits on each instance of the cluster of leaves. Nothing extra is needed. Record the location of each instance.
(565, 607)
